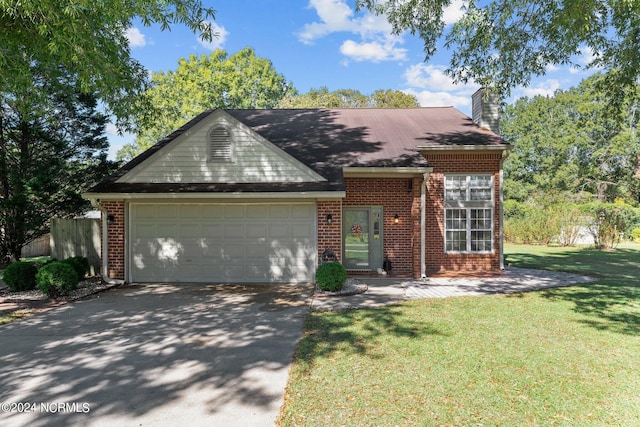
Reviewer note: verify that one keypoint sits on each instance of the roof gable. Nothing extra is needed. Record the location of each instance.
(297, 150)
(218, 149)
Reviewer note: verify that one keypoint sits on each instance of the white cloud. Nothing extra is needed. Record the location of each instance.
(454, 11)
(373, 51)
(135, 37)
(433, 88)
(587, 56)
(376, 41)
(335, 16)
(220, 36)
(428, 76)
(433, 78)
(441, 99)
(544, 88)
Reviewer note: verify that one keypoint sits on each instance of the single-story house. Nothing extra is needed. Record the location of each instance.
(241, 196)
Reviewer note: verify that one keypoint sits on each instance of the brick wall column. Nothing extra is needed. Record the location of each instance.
(115, 239)
(330, 235)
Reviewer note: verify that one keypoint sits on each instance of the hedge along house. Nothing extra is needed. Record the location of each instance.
(260, 195)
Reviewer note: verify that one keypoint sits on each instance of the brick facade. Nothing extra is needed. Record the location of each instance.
(437, 261)
(115, 239)
(397, 196)
(330, 235)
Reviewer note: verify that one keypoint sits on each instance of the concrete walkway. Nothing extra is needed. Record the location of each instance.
(385, 291)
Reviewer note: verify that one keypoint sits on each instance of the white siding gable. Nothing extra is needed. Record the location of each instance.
(252, 159)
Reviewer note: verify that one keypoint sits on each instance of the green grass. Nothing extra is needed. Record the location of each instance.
(566, 356)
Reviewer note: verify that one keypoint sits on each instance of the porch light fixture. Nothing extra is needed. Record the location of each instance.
(396, 219)
(329, 219)
(110, 219)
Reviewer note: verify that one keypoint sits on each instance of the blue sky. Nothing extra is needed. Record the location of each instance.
(316, 43)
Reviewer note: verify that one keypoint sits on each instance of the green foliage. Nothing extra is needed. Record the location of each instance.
(80, 265)
(610, 222)
(90, 39)
(331, 276)
(635, 234)
(52, 148)
(502, 43)
(241, 80)
(567, 144)
(348, 98)
(57, 278)
(544, 221)
(20, 276)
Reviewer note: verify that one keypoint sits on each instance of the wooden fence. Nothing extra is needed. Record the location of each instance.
(77, 237)
(39, 247)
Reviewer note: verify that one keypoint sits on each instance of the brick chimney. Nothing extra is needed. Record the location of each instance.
(485, 110)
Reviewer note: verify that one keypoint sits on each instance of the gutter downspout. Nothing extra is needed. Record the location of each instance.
(105, 245)
(423, 228)
(501, 213)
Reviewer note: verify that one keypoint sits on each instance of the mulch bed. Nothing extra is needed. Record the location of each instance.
(25, 303)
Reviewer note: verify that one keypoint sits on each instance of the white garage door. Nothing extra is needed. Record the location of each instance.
(232, 243)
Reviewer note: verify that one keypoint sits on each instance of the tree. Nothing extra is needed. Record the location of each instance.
(348, 98)
(89, 38)
(241, 80)
(565, 143)
(52, 147)
(502, 43)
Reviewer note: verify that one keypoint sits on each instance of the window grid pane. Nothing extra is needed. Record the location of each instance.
(469, 229)
(455, 188)
(456, 241)
(456, 219)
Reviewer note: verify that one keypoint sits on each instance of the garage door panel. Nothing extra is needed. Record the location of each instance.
(258, 251)
(256, 231)
(279, 211)
(258, 211)
(212, 231)
(216, 242)
(302, 230)
(303, 211)
(279, 231)
(212, 211)
(190, 211)
(167, 211)
(190, 230)
(232, 231)
(234, 212)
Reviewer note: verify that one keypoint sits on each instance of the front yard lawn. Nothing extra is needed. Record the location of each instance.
(565, 356)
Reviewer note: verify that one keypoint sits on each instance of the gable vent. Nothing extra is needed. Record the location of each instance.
(219, 145)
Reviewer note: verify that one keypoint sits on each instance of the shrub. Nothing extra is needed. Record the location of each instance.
(80, 264)
(57, 278)
(331, 276)
(20, 276)
(635, 234)
(609, 223)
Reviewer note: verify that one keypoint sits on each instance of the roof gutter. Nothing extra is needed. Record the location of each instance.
(386, 172)
(464, 147)
(324, 195)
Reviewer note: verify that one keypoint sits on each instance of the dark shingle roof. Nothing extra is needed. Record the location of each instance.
(327, 140)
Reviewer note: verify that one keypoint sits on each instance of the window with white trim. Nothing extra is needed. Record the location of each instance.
(219, 145)
(469, 206)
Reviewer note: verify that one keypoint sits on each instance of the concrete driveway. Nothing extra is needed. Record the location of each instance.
(154, 355)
